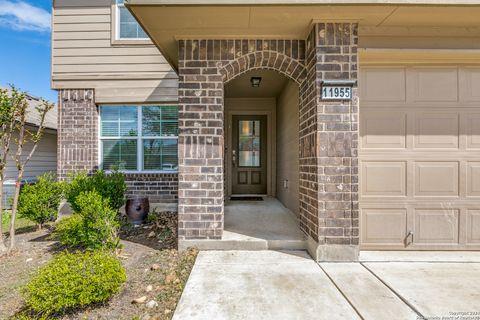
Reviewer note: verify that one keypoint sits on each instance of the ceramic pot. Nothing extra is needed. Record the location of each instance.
(137, 210)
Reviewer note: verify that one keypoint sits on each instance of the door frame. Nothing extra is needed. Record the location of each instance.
(271, 146)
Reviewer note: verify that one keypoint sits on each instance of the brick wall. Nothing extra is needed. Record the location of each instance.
(159, 188)
(204, 67)
(308, 158)
(77, 132)
(337, 124)
(78, 148)
(328, 130)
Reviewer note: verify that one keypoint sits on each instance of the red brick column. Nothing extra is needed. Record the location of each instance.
(77, 142)
(329, 145)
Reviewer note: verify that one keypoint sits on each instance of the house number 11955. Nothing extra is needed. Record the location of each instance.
(336, 92)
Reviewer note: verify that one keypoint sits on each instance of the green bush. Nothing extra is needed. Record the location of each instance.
(5, 218)
(110, 186)
(94, 227)
(74, 280)
(39, 202)
(70, 231)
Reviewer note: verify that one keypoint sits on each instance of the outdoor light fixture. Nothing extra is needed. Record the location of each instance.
(256, 81)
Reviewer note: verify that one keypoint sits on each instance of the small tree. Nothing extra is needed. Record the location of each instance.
(39, 202)
(25, 135)
(7, 127)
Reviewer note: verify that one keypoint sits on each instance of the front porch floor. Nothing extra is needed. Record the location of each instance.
(255, 225)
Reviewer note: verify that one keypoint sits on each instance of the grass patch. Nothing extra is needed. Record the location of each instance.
(21, 225)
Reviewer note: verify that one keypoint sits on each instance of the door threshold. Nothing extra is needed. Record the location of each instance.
(246, 198)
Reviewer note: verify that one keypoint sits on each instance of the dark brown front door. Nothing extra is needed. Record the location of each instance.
(249, 155)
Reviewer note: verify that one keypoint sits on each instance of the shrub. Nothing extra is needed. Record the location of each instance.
(5, 218)
(74, 280)
(94, 227)
(39, 202)
(110, 186)
(69, 231)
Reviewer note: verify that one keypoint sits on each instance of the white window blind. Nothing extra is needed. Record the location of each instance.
(139, 138)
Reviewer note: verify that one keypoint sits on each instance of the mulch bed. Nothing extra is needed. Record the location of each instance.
(160, 231)
(156, 272)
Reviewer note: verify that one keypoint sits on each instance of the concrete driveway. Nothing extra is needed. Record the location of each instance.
(290, 285)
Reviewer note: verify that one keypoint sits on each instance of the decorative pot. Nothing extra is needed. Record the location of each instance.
(137, 210)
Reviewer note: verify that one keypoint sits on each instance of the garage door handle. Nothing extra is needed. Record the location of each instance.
(409, 234)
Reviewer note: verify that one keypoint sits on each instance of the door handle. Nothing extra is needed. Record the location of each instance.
(409, 234)
(234, 158)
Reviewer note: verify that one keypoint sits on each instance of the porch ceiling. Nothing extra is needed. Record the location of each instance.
(167, 21)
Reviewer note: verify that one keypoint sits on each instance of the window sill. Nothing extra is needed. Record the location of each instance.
(131, 42)
(144, 172)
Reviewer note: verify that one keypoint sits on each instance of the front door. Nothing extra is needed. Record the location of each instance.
(249, 154)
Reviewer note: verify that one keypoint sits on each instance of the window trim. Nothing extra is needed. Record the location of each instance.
(115, 26)
(139, 138)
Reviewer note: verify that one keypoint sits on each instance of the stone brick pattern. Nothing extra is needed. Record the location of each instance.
(204, 67)
(337, 125)
(308, 135)
(77, 132)
(159, 188)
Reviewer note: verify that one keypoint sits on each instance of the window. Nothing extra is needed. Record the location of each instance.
(249, 143)
(127, 26)
(139, 138)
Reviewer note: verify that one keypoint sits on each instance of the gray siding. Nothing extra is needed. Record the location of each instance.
(44, 159)
(85, 55)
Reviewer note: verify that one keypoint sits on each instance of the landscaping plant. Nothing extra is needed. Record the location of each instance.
(39, 202)
(95, 226)
(13, 114)
(7, 126)
(74, 280)
(110, 186)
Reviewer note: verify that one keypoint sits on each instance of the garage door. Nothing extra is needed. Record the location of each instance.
(420, 157)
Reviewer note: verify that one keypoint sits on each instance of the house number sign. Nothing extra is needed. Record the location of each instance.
(337, 89)
(336, 93)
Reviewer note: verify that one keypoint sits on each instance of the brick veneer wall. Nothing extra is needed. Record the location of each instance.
(308, 157)
(78, 148)
(159, 188)
(337, 124)
(77, 142)
(204, 67)
(328, 130)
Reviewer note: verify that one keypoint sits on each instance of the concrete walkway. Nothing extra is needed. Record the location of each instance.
(290, 285)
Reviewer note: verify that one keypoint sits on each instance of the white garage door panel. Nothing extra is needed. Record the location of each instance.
(436, 179)
(436, 130)
(390, 80)
(386, 226)
(473, 130)
(473, 227)
(473, 179)
(420, 157)
(384, 129)
(436, 226)
(445, 80)
(384, 178)
(469, 84)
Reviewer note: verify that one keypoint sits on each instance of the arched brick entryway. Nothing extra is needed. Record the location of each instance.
(205, 66)
(266, 60)
(328, 132)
